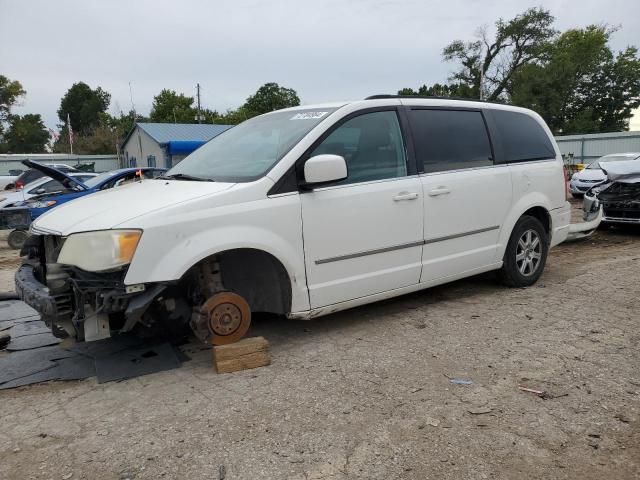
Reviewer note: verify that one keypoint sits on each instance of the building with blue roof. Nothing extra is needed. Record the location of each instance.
(165, 144)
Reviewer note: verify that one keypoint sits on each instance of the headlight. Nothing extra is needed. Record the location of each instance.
(47, 204)
(101, 250)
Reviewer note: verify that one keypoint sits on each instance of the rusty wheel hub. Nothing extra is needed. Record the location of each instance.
(228, 317)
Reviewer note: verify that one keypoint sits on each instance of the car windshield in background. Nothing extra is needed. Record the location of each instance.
(248, 151)
(602, 161)
(97, 180)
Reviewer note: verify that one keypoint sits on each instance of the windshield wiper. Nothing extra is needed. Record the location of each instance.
(184, 176)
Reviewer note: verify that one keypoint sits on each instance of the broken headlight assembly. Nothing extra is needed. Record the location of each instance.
(42, 204)
(101, 250)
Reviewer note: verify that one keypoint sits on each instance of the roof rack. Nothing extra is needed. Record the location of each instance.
(432, 97)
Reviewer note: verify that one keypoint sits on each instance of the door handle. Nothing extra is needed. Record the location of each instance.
(405, 196)
(439, 191)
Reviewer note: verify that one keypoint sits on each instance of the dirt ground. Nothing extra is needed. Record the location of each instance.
(367, 393)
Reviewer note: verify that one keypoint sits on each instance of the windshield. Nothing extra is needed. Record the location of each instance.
(598, 163)
(97, 180)
(248, 151)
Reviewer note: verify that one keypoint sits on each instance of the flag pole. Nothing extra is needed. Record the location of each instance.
(70, 135)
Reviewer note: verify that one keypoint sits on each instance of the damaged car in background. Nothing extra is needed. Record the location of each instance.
(618, 197)
(303, 212)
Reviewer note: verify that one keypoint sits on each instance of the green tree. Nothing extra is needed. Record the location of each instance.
(124, 122)
(169, 107)
(26, 134)
(86, 107)
(100, 140)
(234, 117)
(10, 92)
(460, 90)
(581, 87)
(493, 62)
(270, 97)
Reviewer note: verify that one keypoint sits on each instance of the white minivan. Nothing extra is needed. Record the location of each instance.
(304, 212)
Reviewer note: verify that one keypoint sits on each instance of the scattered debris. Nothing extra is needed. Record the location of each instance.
(458, 381)
(416, 390)
(480, 411)
(540, 393)
(622, 417)
(433, 422)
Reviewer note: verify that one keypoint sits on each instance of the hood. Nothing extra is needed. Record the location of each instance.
(591, 174)
(627, 171)
(110, 208)
(66, 180)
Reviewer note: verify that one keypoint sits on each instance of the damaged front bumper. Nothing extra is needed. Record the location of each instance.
(83, 305)
(618, 202)
(585, 229)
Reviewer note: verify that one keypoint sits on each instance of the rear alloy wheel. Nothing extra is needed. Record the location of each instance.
(17, 238)
(526, 253)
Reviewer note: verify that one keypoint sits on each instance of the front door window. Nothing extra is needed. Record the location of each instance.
(372, 146)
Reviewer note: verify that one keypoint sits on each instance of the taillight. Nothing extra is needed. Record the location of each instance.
(19, 185)
(565, 179)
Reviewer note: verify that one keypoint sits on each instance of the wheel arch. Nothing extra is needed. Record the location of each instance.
(541, 214)
(255, 274)
(535, 205)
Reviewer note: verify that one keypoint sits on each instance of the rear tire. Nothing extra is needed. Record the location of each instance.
(526, 253)
(17, 238)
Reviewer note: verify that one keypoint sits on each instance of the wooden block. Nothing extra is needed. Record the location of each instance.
(243, 355)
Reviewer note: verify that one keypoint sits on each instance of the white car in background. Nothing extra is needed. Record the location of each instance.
(593, 175)
(38, 187)
(6, 180)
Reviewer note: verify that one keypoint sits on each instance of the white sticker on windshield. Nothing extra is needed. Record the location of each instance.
(308, 115)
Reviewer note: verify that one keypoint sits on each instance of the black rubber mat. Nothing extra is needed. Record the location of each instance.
(34, 356)
(134, 362)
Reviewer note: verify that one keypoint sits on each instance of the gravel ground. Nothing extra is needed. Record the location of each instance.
(367, 393)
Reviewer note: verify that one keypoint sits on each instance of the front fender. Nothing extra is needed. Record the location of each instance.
(169, 248)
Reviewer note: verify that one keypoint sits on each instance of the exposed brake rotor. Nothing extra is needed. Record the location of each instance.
(228, 317)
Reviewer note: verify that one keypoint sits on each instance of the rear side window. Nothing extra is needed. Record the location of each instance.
(522, 136)
(450, 139)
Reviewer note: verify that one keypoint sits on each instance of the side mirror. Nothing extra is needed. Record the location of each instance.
(324, 169)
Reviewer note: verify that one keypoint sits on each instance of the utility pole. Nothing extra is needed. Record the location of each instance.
(133, 107)
(199, 115)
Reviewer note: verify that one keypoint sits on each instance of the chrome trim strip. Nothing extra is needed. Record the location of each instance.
(402, 246)
(370, 252)
(458, 235)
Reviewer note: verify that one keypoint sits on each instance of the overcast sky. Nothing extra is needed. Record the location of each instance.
(325, 49)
